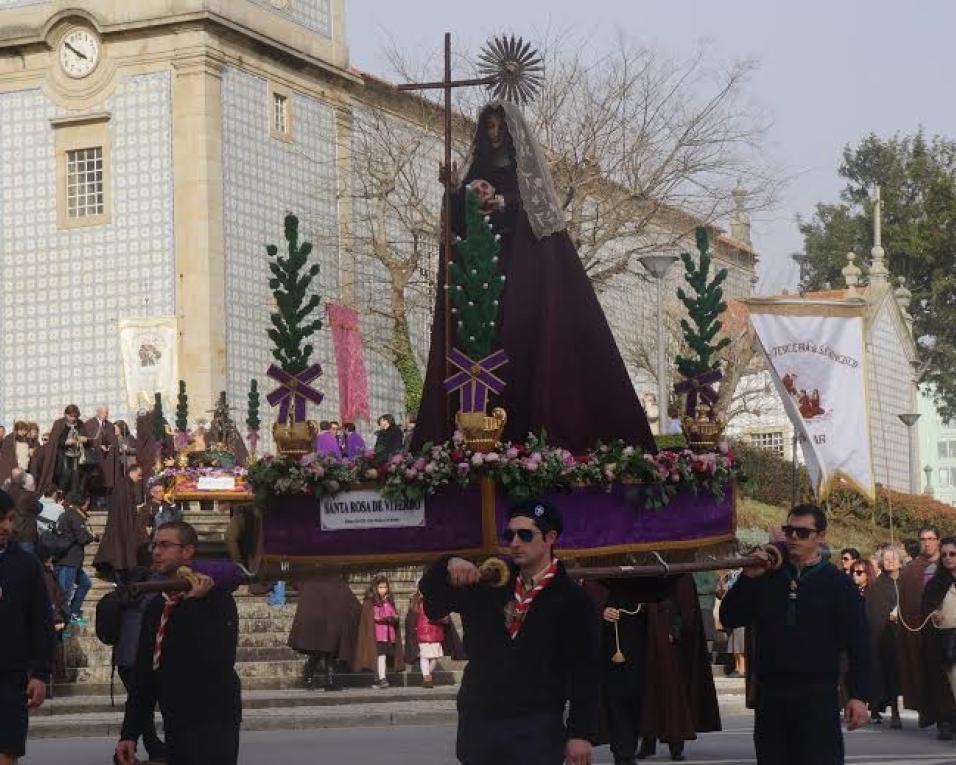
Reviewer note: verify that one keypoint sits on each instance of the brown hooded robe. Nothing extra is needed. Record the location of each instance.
(105, 472)
(326, 617)
(125, 530)
(366, 652)
(911, 662)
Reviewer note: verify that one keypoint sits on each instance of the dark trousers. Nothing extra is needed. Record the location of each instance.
(151, 740)
(623, 722)
(797, 724)
(536, 739)
(203, 744)
(13, 713)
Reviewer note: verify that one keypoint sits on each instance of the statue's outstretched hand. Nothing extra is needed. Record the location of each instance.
(453, 178)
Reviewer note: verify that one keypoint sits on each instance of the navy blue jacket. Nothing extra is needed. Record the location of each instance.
(26, 616)
(830, 619)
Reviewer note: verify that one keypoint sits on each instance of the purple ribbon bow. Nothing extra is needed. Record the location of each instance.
(293, 390)
(475, 378)
(698, 387)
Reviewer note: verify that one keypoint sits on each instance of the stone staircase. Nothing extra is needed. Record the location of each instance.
(264, 661)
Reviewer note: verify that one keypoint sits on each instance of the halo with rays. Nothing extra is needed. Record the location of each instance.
(516, 66)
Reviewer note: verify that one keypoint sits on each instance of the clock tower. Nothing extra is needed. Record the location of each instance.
(149, 151)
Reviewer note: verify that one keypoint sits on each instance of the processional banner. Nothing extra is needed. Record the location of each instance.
(148, 347)
(815, 354)
(349, 363)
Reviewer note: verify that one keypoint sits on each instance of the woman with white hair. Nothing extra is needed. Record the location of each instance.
(882, 611)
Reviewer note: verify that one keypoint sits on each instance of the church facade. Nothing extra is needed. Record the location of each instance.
(150, 150)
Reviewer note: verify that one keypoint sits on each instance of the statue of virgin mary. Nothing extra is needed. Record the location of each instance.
(565, 375)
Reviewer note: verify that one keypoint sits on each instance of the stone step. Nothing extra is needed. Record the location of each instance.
(387, 713)
(66, 706)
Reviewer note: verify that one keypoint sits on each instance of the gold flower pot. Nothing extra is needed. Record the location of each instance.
(702, 433)
(482, 433)
(294, 439)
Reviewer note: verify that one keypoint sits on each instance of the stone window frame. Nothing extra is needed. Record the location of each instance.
(74, 134)
(275, 93)
(772, 441)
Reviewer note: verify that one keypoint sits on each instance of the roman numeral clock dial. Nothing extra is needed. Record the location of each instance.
(79, 53)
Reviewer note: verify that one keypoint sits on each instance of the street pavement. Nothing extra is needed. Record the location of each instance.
(434, 745)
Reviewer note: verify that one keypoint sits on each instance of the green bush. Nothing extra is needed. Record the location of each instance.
(770, 477)
(908, 511)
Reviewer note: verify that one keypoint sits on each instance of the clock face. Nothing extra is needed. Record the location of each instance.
(79, 53)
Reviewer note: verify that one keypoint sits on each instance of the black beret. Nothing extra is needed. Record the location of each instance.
(545, 515)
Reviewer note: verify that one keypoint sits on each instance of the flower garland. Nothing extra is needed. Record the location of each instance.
(171, 472)
(533, 468)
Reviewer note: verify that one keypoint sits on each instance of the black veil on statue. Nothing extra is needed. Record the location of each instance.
(565, 374)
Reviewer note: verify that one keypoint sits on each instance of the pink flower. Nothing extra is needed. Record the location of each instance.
(492, 457)
(430, 468)
(609, 473)
(477, 459)
(318, 471)
(398, 459)
(420, 464)
(411, 473)
(463, 467)
(628, 451)
(458, 438)
(536, 456)
(512, 453)
(308, 459)
(531, 466)
(369, 454)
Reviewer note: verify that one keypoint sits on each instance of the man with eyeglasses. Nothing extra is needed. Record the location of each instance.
(912, 582)
(849, 556)
(805, 615)
(533, 647)
(186, 661)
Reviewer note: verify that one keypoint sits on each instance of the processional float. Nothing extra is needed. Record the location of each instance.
(617, 502)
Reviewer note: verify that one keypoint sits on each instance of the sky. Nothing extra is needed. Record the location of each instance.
(828, 73)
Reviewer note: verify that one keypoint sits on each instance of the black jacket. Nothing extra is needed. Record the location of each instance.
(830, 619)
(26, 616)
(75, 528)
(555, 657)
(196, 681)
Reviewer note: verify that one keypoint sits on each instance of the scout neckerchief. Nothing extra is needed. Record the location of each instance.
(525, 597)
(796, 578)
(172, 600)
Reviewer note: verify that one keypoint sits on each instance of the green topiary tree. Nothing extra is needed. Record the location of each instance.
(182, 408)
(291, 278)
(475, 283)
(704, 310)
(252, 419)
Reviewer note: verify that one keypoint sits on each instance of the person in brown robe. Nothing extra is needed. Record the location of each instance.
(325, 627)
(38, 462)
(125, 530)
(912, 582)
(680, 699)
(62, 466)
(939, 645)
(102, 437)
(367, 651)
(9, 458)
(549, 322)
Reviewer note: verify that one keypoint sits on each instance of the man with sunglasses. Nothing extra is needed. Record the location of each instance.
(913, 678)
(532, 645)
(186, 661)
(804, 615)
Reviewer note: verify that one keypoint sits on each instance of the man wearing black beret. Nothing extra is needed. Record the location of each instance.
(533, 647)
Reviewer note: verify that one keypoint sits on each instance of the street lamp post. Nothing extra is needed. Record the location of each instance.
(658, 266)
(909, 420)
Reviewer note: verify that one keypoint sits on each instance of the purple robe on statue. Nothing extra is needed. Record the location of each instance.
(354, 445)
(325, 443)
(565, 374)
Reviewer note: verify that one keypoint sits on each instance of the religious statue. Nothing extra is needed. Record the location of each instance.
(565, 375)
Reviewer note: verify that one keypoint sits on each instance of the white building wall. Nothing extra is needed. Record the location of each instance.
(263, 179)
(63, 291)
(891, 393)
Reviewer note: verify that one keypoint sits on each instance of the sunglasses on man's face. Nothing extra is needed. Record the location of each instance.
(525, 535)
(799, 532)
(859, 572)
(847, 557)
